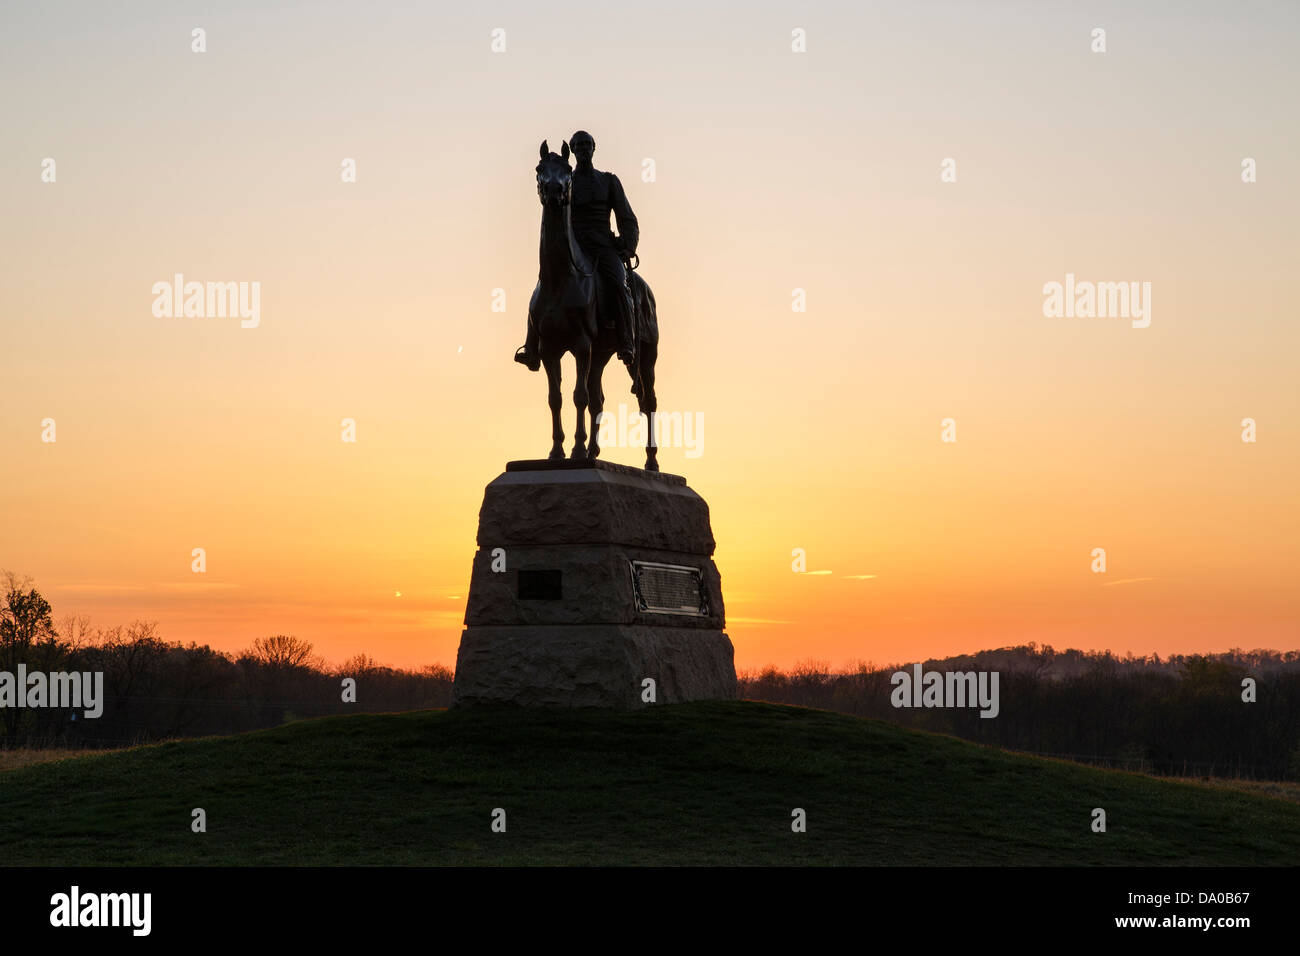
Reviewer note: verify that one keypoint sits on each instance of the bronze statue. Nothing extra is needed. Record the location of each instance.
(595, 194)
(574, 294)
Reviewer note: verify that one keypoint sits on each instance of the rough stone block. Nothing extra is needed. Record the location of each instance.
(564, 623)
(592, 665)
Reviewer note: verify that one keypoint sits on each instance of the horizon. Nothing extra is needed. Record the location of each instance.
(90, 632)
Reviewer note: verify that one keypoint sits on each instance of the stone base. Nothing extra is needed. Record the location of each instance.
(589, 578)
(592, 665)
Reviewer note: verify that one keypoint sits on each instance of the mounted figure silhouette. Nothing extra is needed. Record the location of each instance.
(590, 309)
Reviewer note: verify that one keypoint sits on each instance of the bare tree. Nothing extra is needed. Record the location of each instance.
(281, 651)
(357, 664)
(76, 631)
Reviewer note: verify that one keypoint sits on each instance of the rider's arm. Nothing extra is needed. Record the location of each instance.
(623, 215)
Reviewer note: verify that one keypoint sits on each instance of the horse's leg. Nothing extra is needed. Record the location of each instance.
(648, 400)
(552, 365)
(597, 394)
(580, 399)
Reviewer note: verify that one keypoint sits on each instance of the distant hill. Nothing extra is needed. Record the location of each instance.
(706, 783)
(1220, 715)
(1045, 661)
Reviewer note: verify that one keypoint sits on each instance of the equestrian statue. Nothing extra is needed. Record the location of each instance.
(589, 300)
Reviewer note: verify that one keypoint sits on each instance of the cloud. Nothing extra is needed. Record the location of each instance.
(1111, 584)
(155, 586)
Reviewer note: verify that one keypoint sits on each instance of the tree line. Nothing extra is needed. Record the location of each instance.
(1183, 715)
(156, 689)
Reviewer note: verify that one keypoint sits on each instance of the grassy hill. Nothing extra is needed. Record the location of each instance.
(708, 783)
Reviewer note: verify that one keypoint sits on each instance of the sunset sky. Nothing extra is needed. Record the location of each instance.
(774, 170)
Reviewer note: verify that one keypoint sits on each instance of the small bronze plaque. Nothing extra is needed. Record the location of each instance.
(669, 589)
(540, 586)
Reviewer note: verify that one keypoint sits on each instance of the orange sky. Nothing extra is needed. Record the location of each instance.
(774, 171)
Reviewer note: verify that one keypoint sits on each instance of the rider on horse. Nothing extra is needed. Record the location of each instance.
(595, 195)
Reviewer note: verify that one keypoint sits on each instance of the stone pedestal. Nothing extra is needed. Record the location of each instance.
(589, 578)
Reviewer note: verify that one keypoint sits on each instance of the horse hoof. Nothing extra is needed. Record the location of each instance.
(579, 453)
(556, 454)
(651, 465)
(593, 451)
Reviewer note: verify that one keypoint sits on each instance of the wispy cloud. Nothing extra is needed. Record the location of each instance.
(858, 577)
(1111, 584)
(155, 586)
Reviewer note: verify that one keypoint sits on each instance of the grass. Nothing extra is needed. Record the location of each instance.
(1282, 789)
(703, 783)
(25, 757)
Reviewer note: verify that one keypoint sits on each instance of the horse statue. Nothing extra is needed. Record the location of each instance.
(565, 308)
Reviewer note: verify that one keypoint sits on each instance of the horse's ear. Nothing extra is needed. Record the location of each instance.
(545, 151)
(564, 150)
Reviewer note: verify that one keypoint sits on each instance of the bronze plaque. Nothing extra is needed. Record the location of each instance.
(669, 588)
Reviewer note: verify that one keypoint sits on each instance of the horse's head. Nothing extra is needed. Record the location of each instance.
(554, 177)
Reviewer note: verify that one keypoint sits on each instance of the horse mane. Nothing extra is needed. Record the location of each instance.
(581, 264)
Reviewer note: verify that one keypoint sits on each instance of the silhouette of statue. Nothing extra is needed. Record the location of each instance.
(563, 315)
(595, 195)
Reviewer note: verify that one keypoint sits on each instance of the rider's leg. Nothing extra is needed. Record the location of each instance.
(614, 277)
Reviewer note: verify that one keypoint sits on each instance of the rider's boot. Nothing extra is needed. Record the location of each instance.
(527, 354)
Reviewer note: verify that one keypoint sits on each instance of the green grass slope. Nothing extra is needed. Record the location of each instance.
(707, 783)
